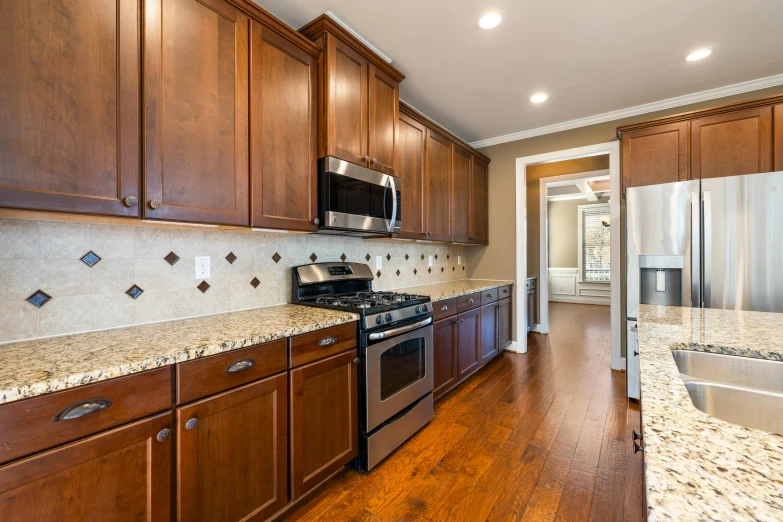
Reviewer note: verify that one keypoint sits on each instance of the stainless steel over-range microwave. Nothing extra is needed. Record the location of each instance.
(355, 200)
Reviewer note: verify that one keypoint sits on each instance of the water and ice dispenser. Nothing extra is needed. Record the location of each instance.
(660, 279)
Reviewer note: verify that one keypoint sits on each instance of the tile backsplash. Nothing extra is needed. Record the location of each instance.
(62, 277)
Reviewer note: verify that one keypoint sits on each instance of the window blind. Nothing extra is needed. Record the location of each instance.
(595, 247)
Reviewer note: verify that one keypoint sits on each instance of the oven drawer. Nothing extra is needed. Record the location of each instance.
(39, 423)
(489, 296)
(468, 302)
(443, 309)
(321, 344)
(216, 373)
(381, 443)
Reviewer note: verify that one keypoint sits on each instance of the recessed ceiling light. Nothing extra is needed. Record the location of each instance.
(698, 55)
(490, 20)
(539, 97)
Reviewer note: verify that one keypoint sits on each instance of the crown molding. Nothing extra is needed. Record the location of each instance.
(678, 101)
(358, 36)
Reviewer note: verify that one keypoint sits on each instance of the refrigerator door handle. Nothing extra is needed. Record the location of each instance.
(695, 250)
(707, 292)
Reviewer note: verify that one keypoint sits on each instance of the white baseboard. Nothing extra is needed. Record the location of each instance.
(579, 300)
(536, 328)
(515, 347)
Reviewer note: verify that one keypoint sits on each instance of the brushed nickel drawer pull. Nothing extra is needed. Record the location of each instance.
(80, 409)
(163, 434)
(470, 301)
(444, 308)
(327, 341)
(238, 366)
(489, 295)
(505, 290)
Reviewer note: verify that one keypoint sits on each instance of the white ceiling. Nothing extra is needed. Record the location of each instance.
(591, 57)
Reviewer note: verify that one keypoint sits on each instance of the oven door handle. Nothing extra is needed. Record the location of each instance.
(400, 330)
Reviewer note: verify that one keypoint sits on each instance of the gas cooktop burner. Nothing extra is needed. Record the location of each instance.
(367, 299)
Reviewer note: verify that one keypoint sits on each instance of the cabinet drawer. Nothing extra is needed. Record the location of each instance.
(36, 424)
(468, 302)
(489, 296)
(320, 344)
(504, 292)
(445, 308)
(216, 373)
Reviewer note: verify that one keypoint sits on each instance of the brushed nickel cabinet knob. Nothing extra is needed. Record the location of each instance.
(155, 204)
(163, 434)
(317, 221)
(367, 158)
(192, 423)
(131, 201)
(374, 161)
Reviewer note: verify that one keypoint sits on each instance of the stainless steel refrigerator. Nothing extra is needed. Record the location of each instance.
(714, 243)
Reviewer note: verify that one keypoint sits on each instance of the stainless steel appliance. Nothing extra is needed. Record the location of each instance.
(395, 352)
(532, 302)
(712, 243)
(355, 200)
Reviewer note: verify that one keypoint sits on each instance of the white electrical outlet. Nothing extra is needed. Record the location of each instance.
(378, 262)
(459, 260)
(429, 261)
(202, 267)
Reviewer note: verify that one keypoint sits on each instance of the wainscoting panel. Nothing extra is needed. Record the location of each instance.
(564, 287)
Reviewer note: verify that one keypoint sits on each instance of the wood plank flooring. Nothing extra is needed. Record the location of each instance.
(544, 435)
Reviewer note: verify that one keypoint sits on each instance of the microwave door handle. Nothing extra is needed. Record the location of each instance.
(393, 220)
(695, 250)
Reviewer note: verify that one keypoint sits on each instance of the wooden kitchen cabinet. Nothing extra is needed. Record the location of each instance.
(69, 139)
(232, 453)
(778, 135)
(504, 321)
(469, 355)
(489, 331)
(462, 194)
(732, 144)
(479, 203)
(196, 112)
(445, 343)
(410, 170)
(656, 155)
(283, 118)
(437, 191)
(324, 420)
(124, 473)
(359, 99)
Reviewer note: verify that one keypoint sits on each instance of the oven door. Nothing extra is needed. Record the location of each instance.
(399, 371)
(358, 199)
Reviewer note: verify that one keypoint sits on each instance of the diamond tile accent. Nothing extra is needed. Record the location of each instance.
(422, 257)
(134, 291)
(255, 282)
(313, 257)
(39, 298)
(436, 256)
(378, 273)
(90, 258)
(367, 257)
(231, 257)
(203, 286)
(398, 272)
(415, 271)
(429, 270)
(171, 258)
(453, 268)
(406, 257)
(441, 269)
(343, 257)
(276, 258)
(463, 267)
(447, 256)
(388, 257)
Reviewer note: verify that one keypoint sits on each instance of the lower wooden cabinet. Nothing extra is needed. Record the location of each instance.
(121, 474)
(504, 322)
(489, 330)
(232, 453)
(324, 420)
(444, 338)
(469, 358)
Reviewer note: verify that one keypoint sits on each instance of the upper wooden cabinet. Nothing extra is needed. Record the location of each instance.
(437, 185)
(461, 203)
(479, 204)
(69, 137)
(283, 167)
(656, 155)
(359, 99)
(410, 169)
(778, 134)
(196, 112)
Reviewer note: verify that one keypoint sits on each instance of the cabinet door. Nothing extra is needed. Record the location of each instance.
(283, 166)
(778, 134)
(346, 110)
(479, 206)
(231, 453)
(489, 337)
(69, 106)
(444, 338)
(732, 144)
(469, 354)
(504, 319)
(324, 420)
(656, 155)
(437, 171)
(122, 473)
(196, 112)
(384, 106)
(461, 194)
(410, 169)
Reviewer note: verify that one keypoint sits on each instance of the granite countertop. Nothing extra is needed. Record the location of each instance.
(451, 289)
(31, 368)
(698, 467)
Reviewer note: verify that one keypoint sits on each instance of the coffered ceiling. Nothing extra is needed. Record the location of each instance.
(589, 57)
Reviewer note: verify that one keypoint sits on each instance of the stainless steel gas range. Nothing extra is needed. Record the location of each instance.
(395, 352)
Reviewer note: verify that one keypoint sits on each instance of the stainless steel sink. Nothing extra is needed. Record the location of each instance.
(740, 390)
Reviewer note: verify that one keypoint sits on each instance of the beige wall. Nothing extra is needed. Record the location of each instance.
(497, 260)
(563, 224)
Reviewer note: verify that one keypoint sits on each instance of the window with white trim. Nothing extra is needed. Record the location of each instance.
(594, 243)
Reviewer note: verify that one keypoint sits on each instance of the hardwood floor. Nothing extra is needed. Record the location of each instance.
(539, 436)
